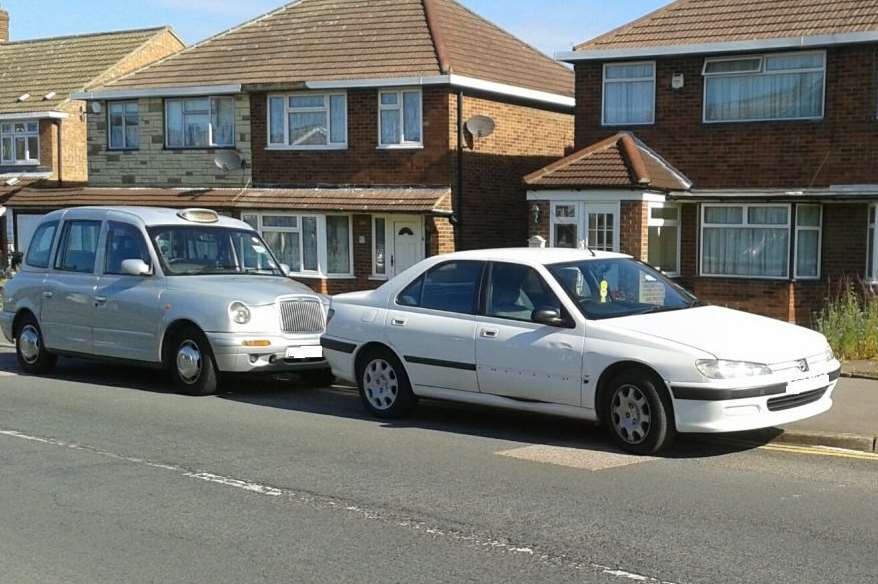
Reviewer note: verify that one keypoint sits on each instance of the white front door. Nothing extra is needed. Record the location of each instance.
(408, 246)
(579, 224)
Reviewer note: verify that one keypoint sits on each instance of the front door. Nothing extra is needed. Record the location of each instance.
(407, 245)
(518, 357)
(580, 225)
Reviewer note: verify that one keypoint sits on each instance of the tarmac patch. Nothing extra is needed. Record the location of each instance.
(579, 458)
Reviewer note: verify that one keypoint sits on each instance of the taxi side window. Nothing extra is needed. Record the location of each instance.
(41, 245)
(79, 247)
(124, 242)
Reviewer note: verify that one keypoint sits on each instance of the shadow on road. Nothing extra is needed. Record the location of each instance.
(341, 401)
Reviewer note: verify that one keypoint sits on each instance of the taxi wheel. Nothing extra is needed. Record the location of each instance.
(638, 414)
(384, 385)
(30, 351)
(191, 363)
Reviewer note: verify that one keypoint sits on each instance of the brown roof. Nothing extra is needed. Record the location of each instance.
(324, 40)
(61, 65)
(620, 161)
(389, 199)
(688, 22)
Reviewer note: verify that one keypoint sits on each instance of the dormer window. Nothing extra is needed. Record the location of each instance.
(787, 86)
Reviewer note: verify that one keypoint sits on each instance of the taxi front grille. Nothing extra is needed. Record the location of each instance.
(302, 316)
(789, 402)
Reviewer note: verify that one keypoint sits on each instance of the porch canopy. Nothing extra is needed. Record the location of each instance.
(426, 200)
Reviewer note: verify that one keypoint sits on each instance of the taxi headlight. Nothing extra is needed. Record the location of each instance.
(239, 313)
(722, 369)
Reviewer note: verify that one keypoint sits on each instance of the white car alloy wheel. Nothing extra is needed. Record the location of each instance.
(29, 345)
(189, 362)
(381, 384)
(631, 413)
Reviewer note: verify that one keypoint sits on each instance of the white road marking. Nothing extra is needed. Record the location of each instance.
(327, 502)
(579, 458)
(4, 373)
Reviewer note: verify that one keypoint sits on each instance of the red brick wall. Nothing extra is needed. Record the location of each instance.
(841, 149)
(363, 163)
(634, 237)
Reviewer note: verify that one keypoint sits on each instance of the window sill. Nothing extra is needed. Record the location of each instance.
(764, 121)
(731, 277)
(305, 148)
(377, 278)
(630, 125)
(322, 277)
(28, 163)
(114, 150)
(401, 147)
(198, 148)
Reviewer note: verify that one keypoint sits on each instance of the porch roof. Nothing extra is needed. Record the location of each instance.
(391, 199)
(620, 161)
(833, 193)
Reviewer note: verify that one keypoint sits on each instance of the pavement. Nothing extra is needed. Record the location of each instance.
(106, 476)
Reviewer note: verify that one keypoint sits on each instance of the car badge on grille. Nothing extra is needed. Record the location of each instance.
(803, 365)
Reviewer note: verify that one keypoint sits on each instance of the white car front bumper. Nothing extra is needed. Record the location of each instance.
(233, 356)
(706, 409)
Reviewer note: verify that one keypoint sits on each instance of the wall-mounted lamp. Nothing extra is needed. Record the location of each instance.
(536, 213)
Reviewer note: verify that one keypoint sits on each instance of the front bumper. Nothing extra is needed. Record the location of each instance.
(706, 409)
(6, 320)
(232, 356)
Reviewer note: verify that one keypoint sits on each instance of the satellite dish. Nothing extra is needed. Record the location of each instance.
(96, 107)
(228, 160)
(481, 126)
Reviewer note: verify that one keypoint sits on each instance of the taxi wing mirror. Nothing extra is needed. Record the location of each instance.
(136, 267)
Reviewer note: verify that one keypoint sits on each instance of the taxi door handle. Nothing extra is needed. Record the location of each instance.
(398, 322)
(48, 294)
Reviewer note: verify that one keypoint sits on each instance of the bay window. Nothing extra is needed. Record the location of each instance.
(788, 86)
(311, 245)
(308, 121)
(664, 238)
(400, 118)
(201, 122)
(124, 124)
(754, 241)
(20, 142)
(629, 94)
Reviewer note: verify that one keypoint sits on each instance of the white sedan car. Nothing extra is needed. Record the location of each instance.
(595, 336)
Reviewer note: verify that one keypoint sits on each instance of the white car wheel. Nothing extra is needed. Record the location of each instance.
(380, 384)
(632, 416)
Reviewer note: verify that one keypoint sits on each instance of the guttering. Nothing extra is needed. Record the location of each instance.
(35, 116)
(195, 90)
(805, 42)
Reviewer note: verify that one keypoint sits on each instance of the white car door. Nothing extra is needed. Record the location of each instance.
(432, 325)
(128, 313)
(518, 357)
(68, 313)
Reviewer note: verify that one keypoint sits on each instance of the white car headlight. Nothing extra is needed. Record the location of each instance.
(830, 354)
(239, 313)
(722, 369)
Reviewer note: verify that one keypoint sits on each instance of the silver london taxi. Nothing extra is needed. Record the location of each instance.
(189, 291)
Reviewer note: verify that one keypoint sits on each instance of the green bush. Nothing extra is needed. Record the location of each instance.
(850, 321)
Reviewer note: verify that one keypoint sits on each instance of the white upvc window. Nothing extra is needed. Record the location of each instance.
(380, 267)
(123, 123)
(756, 88)
(311, 245)
(809, 241)
(20, 142)
(663, 228)
(629, 94)
(200, 122)
(400, 119)
(871, 246)
(308, 121)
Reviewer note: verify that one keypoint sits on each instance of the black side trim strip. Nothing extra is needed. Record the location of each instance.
(440, 363)
(340, 346)
(710, 394)
(833, 375)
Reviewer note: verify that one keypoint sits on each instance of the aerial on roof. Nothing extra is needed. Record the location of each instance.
(619, 162)
(698, 22)
(329, 40)
(49, 70)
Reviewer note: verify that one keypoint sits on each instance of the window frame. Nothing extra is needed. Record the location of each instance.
(487, 287)
(126, 146)
(746, 224)
(210, 142)
(762, 59)
(61, 244)
(374, 221)
(14, 135)
(107, 240)
(327, 108)
(651, 222)
(423, 277)
(400, 107)
(322, 241)
(49, 260)
(605, 81)
(795, 242)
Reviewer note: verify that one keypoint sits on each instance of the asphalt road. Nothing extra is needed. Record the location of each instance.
(107, 478)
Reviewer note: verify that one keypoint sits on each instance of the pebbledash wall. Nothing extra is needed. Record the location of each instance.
(840, 149)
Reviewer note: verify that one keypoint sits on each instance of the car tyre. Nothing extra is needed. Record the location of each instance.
(191, 363)
(318, 378)
(30, 350)
(384, 385)
(638, 413)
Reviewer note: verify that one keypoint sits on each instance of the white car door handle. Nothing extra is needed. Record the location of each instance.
(398, 322)
(100, 300)
(48, 294)
(490, 333)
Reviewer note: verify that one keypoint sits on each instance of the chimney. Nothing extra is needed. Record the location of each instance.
(4, 26)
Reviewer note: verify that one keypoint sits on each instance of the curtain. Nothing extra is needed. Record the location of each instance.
(223, 120)
(309, 239)
(286, 247)
(629, 94)
(338, 245)
(412, 122)
(390, 131)
(276, 115)
(338, 114)
(807, 252)
(745, 251)
(765, 97)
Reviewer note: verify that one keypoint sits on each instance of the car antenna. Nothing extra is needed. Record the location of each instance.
(591, 251)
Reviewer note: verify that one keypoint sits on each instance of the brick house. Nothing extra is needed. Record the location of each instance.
(363, 136)
(765, 115)
(42, 129)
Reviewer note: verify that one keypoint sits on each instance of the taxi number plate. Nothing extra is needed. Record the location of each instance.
(309, 352)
